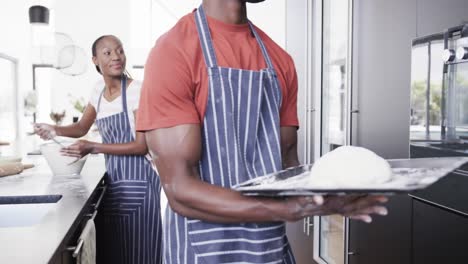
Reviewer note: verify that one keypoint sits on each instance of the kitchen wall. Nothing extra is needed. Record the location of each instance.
(435, 15)
(382, 65)
(83, 21)
(137, 23)
(382, 71)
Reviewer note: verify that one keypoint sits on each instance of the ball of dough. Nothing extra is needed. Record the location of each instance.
(350, 166)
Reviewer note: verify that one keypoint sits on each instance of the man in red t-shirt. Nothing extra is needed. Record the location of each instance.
(218, 106)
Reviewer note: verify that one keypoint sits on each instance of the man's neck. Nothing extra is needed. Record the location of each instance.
(227, 11)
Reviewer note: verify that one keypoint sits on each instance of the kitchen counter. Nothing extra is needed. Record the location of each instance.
(449, 193)
(437, 149)
(39, 243)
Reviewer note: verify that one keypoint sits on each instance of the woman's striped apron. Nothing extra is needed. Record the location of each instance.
(241, 141)
(129, 223)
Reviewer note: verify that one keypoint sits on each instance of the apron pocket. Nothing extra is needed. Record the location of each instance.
(125, 197)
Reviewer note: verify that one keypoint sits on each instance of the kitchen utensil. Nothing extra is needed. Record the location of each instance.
(50, 50)
(77, 59)
(53, 136)
(58, 142)
(13, 168)
(408, 175)
(58, 163)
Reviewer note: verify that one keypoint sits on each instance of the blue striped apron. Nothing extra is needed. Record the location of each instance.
(129, 226)
(240, 141)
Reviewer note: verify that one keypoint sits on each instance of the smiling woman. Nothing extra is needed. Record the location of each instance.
(129, 225)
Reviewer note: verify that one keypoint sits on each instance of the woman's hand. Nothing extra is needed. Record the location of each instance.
(44, 131)
(79, 149)
(358, 207)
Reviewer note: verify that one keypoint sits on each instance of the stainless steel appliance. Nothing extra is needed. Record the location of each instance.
(439, 94)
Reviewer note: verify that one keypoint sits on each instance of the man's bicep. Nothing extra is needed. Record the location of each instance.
(288, 111)
(175, 150)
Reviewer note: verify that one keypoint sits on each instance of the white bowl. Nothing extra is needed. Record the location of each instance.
(59, 164)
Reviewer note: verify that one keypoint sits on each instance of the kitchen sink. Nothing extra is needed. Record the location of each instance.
(23, 211)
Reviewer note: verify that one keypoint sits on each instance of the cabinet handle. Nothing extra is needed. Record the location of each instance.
(98, 202)
(351, 253)
(305, 222)
(76, 250)
(307, 225)
(355, 111)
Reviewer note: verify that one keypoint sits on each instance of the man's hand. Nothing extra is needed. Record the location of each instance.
(356, 207)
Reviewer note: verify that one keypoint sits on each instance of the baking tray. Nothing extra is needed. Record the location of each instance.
(408, 175)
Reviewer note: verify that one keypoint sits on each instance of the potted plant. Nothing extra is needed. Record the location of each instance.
(79, 104)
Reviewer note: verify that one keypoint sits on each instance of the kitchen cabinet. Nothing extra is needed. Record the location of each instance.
(438, 129)
(361, 77)
(387, 240)
(301, 238)
(64, 254)
(440, 221)
(439, 235)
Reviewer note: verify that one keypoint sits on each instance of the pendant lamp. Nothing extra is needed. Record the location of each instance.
(38, 15)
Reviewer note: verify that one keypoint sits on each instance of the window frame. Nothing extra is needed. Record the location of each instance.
(14, 62)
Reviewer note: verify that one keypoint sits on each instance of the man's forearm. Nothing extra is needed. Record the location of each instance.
(289, 147)
(204, 201)
(290, 161)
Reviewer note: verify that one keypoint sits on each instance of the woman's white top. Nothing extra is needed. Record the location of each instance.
(115, 106)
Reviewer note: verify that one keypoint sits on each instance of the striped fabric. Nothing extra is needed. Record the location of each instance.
(129, 228)
(241, 141)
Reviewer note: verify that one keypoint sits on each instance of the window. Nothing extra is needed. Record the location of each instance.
(42, 83)
(8, 98)
(426, 90)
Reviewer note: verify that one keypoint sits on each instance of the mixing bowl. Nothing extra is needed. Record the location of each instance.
(59, 164)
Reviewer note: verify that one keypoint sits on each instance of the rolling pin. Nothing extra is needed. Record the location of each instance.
(13, 168)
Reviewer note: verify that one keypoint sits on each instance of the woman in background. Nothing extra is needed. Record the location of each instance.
(129, 222)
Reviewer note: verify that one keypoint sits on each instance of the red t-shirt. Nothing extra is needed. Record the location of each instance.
(175, 86)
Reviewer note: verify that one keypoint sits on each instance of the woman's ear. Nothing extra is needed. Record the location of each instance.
(95, 61)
